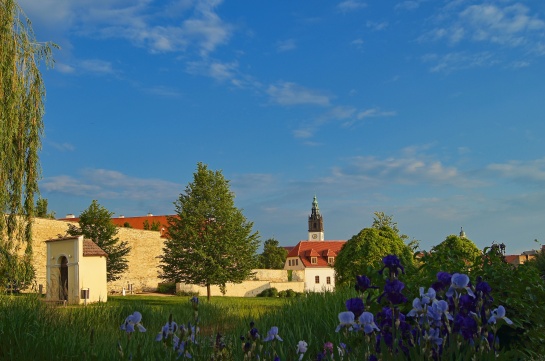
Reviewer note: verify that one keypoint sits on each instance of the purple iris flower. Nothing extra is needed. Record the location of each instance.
(363, 283)
(392, 291)
(356, 306)
(393, 264)
(483, 290)
(459, 281)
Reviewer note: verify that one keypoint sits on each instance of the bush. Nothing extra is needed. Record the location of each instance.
(167, 288)
(269, 292)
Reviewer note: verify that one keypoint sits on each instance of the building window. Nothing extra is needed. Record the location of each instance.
(328, 280)
(297, 262)
(331, 260)
(289, 262)
(313, 260)
(317, 279)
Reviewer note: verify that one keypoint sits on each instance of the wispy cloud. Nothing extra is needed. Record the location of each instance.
(496, 24)
(351, 5)
(526, 172)
(63, 147)
(410, 167)
(286, 45)
(287, 93)
(108, 184)
(450, 62)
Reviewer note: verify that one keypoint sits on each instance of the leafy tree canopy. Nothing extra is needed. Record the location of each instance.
(22, 94)
(368, 247)
(210, 241)
(273, 256)
(454, 254)
(41, 210)
(95, 223)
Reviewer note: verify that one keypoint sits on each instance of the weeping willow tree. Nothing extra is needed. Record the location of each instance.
(22, 94)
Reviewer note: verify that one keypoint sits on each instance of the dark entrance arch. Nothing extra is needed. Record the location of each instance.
(63, 279)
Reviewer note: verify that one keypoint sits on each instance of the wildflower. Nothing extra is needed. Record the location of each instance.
(346, 320)
(131, 321)
(356, 306)
(499, 314)
(417, 308)
(328, 347)
(483, 289)
(428, 296)
(363, 283)
(434, 335)
(459, 281)
(273, 334)
(302, 347)
(393, 264)
(443, 281)
(392, 291)
(366, 319)
(167, 330)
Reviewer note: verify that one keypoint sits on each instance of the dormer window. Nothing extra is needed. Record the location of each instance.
(331, 260)
(314, 260)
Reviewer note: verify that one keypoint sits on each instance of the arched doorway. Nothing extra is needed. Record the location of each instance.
(63, 279)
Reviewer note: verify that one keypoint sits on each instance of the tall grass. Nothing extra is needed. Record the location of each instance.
(32, 330)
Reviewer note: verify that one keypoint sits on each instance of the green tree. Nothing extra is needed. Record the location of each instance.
(41, 210)
(210, 241)
(22, 94)
(95, 223)
(454, 254)
(273, 256)
(366, 249)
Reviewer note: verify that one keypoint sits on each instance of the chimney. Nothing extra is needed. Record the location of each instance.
(150, 215)
(70, 215)
(121, 216)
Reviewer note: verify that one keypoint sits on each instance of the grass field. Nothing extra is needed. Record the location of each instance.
(31, 330)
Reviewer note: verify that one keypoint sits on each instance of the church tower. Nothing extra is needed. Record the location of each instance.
(315, 223)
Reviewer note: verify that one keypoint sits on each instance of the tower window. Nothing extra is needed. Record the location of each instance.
(331, 260)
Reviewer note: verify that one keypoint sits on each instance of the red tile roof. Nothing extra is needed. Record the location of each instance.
(319, 249)
(134, 222)
(91, 249)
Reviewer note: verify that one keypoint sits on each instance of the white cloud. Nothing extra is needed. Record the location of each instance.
(454, 61)
(508, 25)
(287, 93)
(527, 172)
(285, 45)
(96, 66)
(351, 5)
(108, 184)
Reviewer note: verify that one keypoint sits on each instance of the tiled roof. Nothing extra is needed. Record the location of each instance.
(319, 249)
(134, 222)
(91, 249)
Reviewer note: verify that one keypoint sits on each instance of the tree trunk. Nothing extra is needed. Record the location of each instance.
(208, 292)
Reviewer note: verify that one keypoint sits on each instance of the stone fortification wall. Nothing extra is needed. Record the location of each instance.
(143, 260)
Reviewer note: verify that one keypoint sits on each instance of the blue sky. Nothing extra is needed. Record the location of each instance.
(430, 111)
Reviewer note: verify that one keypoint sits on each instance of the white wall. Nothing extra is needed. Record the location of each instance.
(322, 273)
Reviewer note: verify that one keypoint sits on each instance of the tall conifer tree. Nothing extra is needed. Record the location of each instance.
(210, 241)
(95, 223)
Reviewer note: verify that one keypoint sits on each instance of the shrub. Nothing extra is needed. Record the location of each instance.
(167, 288)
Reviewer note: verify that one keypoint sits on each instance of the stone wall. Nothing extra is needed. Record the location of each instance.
(143, 260)
(244, 289)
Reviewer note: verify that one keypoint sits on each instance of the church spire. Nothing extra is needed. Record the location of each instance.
(315, 223)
